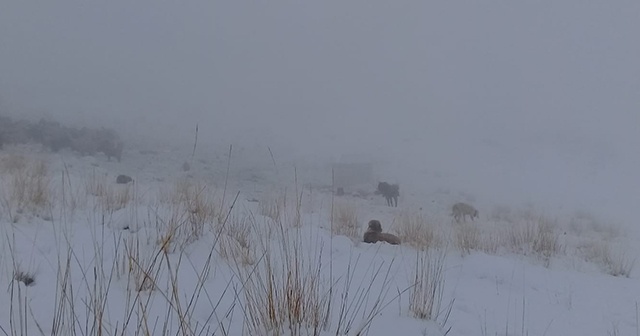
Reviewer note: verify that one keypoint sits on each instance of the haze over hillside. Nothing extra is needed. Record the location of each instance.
(509, 100)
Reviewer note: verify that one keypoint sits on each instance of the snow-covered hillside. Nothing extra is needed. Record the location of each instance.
(251, 252)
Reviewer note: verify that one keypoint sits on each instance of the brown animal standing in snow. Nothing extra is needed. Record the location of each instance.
(463, 210)
(374, 234)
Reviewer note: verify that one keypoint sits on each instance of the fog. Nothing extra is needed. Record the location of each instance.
(536, 101)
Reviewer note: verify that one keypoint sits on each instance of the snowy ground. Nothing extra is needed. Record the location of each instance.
(197, 253)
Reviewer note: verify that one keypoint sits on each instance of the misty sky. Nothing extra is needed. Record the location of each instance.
(418, 79)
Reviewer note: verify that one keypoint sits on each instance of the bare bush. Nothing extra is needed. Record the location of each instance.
(71, 195)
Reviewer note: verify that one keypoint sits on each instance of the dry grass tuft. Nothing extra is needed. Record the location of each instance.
(273, 206)
(110, 197)
(285, 293)
(619, 264)
(467, 237)
(71, 196)
(234, 242)
(234, 251)
(12, 163)
(615, 263)
(535, 235)
(289, 291)
(414, 230)
(192, 209)
(96, 185)
(282, 208)
(29, 189)
(118, 197)
(345, 221)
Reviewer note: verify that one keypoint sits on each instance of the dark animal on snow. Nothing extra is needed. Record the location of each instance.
(390, 192)
(374, 234)
(123, 179)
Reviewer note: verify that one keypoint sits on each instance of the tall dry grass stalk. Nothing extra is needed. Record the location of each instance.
(358, 304)
(427, 291)
(140, 268)
(72, 197)
(96, 184)
(285, 291)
